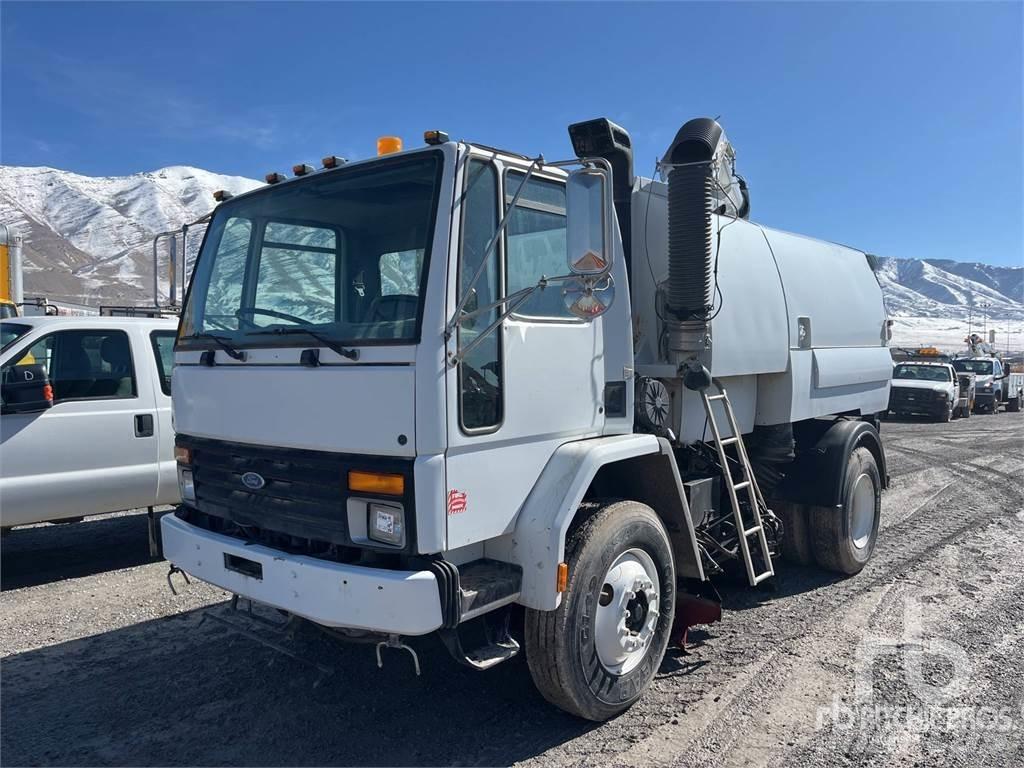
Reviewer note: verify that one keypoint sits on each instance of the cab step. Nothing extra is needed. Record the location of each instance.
(481, 590)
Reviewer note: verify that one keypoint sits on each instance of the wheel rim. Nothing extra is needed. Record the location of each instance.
(627, 612)
(862, 513)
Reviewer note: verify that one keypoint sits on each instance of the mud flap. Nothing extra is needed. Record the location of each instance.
(698, 603)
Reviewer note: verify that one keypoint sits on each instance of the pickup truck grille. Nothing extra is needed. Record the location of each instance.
(305, 493)
(907, 398)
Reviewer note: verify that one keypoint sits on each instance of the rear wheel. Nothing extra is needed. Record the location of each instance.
(596, 653)
(843, 539)
(1014, 405)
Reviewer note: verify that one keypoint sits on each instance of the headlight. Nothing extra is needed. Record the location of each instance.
(386, 524)
(186, 486)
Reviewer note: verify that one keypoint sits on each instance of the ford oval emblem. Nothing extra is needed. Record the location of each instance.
(253, 481)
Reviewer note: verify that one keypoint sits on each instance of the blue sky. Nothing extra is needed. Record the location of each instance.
(896, 128)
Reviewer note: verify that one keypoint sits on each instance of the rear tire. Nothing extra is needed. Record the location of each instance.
(574, 652)
(796, 543)
(1013, 406)
(843, 539)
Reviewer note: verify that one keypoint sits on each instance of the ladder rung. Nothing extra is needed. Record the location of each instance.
(751, 531)
(762, 576)
(729, 441)
(741, 486)
(716, 397)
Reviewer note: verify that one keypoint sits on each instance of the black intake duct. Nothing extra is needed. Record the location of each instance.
(690, 199)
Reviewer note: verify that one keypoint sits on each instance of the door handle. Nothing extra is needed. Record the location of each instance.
(143, 425)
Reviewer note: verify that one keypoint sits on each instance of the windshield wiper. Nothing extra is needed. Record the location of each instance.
(351, 354)
(221, 341)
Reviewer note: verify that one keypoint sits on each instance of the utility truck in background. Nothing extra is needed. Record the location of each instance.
(432, 390)
(995, 384)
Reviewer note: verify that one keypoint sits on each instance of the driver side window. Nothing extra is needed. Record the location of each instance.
(480, 373)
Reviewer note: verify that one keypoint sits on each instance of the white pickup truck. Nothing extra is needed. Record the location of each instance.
(996, 385)
(85, 417)
(926, 388)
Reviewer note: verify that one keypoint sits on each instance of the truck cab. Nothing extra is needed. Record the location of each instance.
(414, 393)
(989, 382)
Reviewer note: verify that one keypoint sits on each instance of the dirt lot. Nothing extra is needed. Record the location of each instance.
(102, 665)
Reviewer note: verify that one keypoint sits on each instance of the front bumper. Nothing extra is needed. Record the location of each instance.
(984, 399)
(332, 594)
(904, 400)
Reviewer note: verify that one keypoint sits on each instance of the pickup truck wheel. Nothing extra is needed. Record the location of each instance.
(1014, 405)
(596, 653)
(843, 539)
(946, 415)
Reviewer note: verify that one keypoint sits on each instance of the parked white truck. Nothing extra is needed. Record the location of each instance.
(928, 388)
(416, 393)
(85, 417)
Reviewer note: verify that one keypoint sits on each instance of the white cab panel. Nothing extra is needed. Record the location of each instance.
(345, 409)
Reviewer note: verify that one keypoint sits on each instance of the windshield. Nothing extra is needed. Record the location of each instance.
(342, 254)
(983, 367)
(922, 372)
(10, 332)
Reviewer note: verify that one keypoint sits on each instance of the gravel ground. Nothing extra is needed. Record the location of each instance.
(101, 664)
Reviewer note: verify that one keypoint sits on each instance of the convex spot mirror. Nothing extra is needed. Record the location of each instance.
(589, 296)
(588, 210)
(26, 389)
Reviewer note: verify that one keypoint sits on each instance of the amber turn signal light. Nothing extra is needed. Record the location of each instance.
(182, 455)
(376, 482)
(562, 579)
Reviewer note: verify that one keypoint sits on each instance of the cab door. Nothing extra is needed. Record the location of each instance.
(95, 450)
(533, 383)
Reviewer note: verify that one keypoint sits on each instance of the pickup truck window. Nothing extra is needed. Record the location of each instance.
(922, 372)
(983, 367)
(163, 349)
(11, 332)
(83, 364)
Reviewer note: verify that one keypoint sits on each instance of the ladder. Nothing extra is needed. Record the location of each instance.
(747, 483)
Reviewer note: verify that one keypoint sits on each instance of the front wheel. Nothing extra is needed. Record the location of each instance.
(596, 653)
(843, 539)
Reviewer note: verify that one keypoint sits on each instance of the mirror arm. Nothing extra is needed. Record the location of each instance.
(492, 243)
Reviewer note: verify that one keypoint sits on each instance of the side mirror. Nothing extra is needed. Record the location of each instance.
(588, 211)
(26, 389)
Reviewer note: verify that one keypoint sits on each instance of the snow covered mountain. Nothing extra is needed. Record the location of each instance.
(89, 240)
(951, 289)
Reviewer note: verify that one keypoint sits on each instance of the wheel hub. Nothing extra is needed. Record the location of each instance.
(627, 612)
(862, 513)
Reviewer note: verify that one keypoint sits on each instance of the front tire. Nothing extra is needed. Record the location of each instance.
(596, 653)
(843, 539)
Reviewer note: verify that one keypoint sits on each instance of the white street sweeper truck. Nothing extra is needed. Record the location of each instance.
(445, 387)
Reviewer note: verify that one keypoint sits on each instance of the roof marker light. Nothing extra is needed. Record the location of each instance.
(387, 145)
(274, 177)
(221, 195)
(433, 138)
(333, 161)
(302, 169)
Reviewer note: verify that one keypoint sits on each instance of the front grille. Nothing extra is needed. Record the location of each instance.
(909, 399)
(305, 493)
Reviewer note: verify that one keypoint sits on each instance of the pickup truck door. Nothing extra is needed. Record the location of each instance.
(95, 450)
(162, 344)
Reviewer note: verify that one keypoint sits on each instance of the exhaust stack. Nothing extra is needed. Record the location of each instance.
(700, 169)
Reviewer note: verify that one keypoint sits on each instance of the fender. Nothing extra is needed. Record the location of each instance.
(818, 475)
(538, 541)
